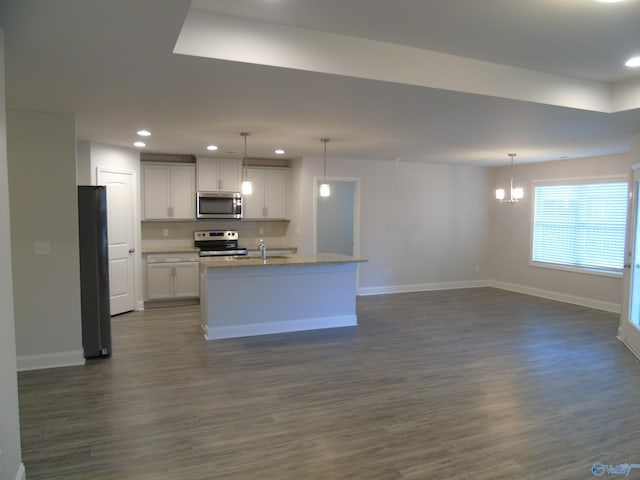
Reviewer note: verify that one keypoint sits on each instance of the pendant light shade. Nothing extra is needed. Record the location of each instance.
(515, 194)
(246, 187)
(325, 188)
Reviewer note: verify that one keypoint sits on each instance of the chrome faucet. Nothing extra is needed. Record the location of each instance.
(263, 250)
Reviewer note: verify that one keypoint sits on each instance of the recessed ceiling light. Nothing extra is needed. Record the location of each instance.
(610, 1)
(139, 144)
(212, 148)
(144, 133)
(279, 151)
(633, 62)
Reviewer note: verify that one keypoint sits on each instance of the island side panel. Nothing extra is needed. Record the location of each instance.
(204, 299)
(263, 300)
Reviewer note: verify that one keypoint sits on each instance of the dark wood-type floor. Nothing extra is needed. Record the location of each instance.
(466, 384)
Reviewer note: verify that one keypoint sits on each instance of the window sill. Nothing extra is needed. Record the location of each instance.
(585, 271)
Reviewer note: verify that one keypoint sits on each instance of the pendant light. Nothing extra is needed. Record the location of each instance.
(325, 188)
(515, 194)
(246, 187)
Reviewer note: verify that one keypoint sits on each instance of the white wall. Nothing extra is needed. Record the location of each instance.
(423, 226)
(10, 456)
(295, 205)
(83, 163)
(116, 158)
(511, 235)
(43, 199)
(635, 150)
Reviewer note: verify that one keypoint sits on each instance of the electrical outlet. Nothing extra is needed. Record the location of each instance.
(261, 231)
(165, 232)
(42, 247)
(477, 268)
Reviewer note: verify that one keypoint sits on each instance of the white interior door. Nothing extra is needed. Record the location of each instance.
(629, 331)
(120, 205)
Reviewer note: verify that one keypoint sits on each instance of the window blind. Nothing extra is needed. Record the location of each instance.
(580, 225)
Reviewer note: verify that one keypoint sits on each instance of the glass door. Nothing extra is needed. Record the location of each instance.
(629, 330)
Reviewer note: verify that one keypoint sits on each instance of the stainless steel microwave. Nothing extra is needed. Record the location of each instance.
(218, 205)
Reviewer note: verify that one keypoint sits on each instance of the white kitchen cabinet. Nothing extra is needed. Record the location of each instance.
(159, 281)
(186, 278)
(269, 198)
(168, 191)
(219, 174)
(173, 276)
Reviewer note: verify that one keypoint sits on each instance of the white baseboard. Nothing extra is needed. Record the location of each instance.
(536, 292)
(21, 475)
(422, 287)
(50, 360)
(637, 355)
(560, 297)
(268, 328)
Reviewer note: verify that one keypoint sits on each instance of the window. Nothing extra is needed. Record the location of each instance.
(580, 225)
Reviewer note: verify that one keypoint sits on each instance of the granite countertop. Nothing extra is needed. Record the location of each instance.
(170, 250)
(278, 260)
(281, 250)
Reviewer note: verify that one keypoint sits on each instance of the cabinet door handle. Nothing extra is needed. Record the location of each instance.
(132, 250)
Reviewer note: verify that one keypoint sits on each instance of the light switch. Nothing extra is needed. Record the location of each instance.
(43, 247)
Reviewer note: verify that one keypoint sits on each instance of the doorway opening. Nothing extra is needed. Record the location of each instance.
(337, 217)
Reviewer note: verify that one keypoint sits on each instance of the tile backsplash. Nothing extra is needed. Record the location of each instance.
(180, 234)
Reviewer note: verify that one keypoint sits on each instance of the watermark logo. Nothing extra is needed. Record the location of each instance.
(599, 469)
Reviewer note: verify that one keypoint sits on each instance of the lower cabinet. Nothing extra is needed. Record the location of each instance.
(172, 277)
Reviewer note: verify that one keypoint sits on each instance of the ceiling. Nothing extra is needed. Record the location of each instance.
(441, 82)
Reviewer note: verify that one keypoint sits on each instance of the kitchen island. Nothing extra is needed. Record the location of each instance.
(244, 296)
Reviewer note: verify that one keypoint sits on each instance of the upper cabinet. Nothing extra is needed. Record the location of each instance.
(219, 174)
(269, 198)
(169, 191)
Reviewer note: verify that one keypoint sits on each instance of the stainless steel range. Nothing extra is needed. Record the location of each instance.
(218, 243)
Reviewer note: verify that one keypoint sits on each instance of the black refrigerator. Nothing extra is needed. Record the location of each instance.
(94, 271)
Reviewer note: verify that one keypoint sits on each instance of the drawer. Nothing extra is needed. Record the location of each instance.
(172, 257)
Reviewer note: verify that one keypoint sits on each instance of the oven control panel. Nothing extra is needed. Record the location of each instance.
(206, 235)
